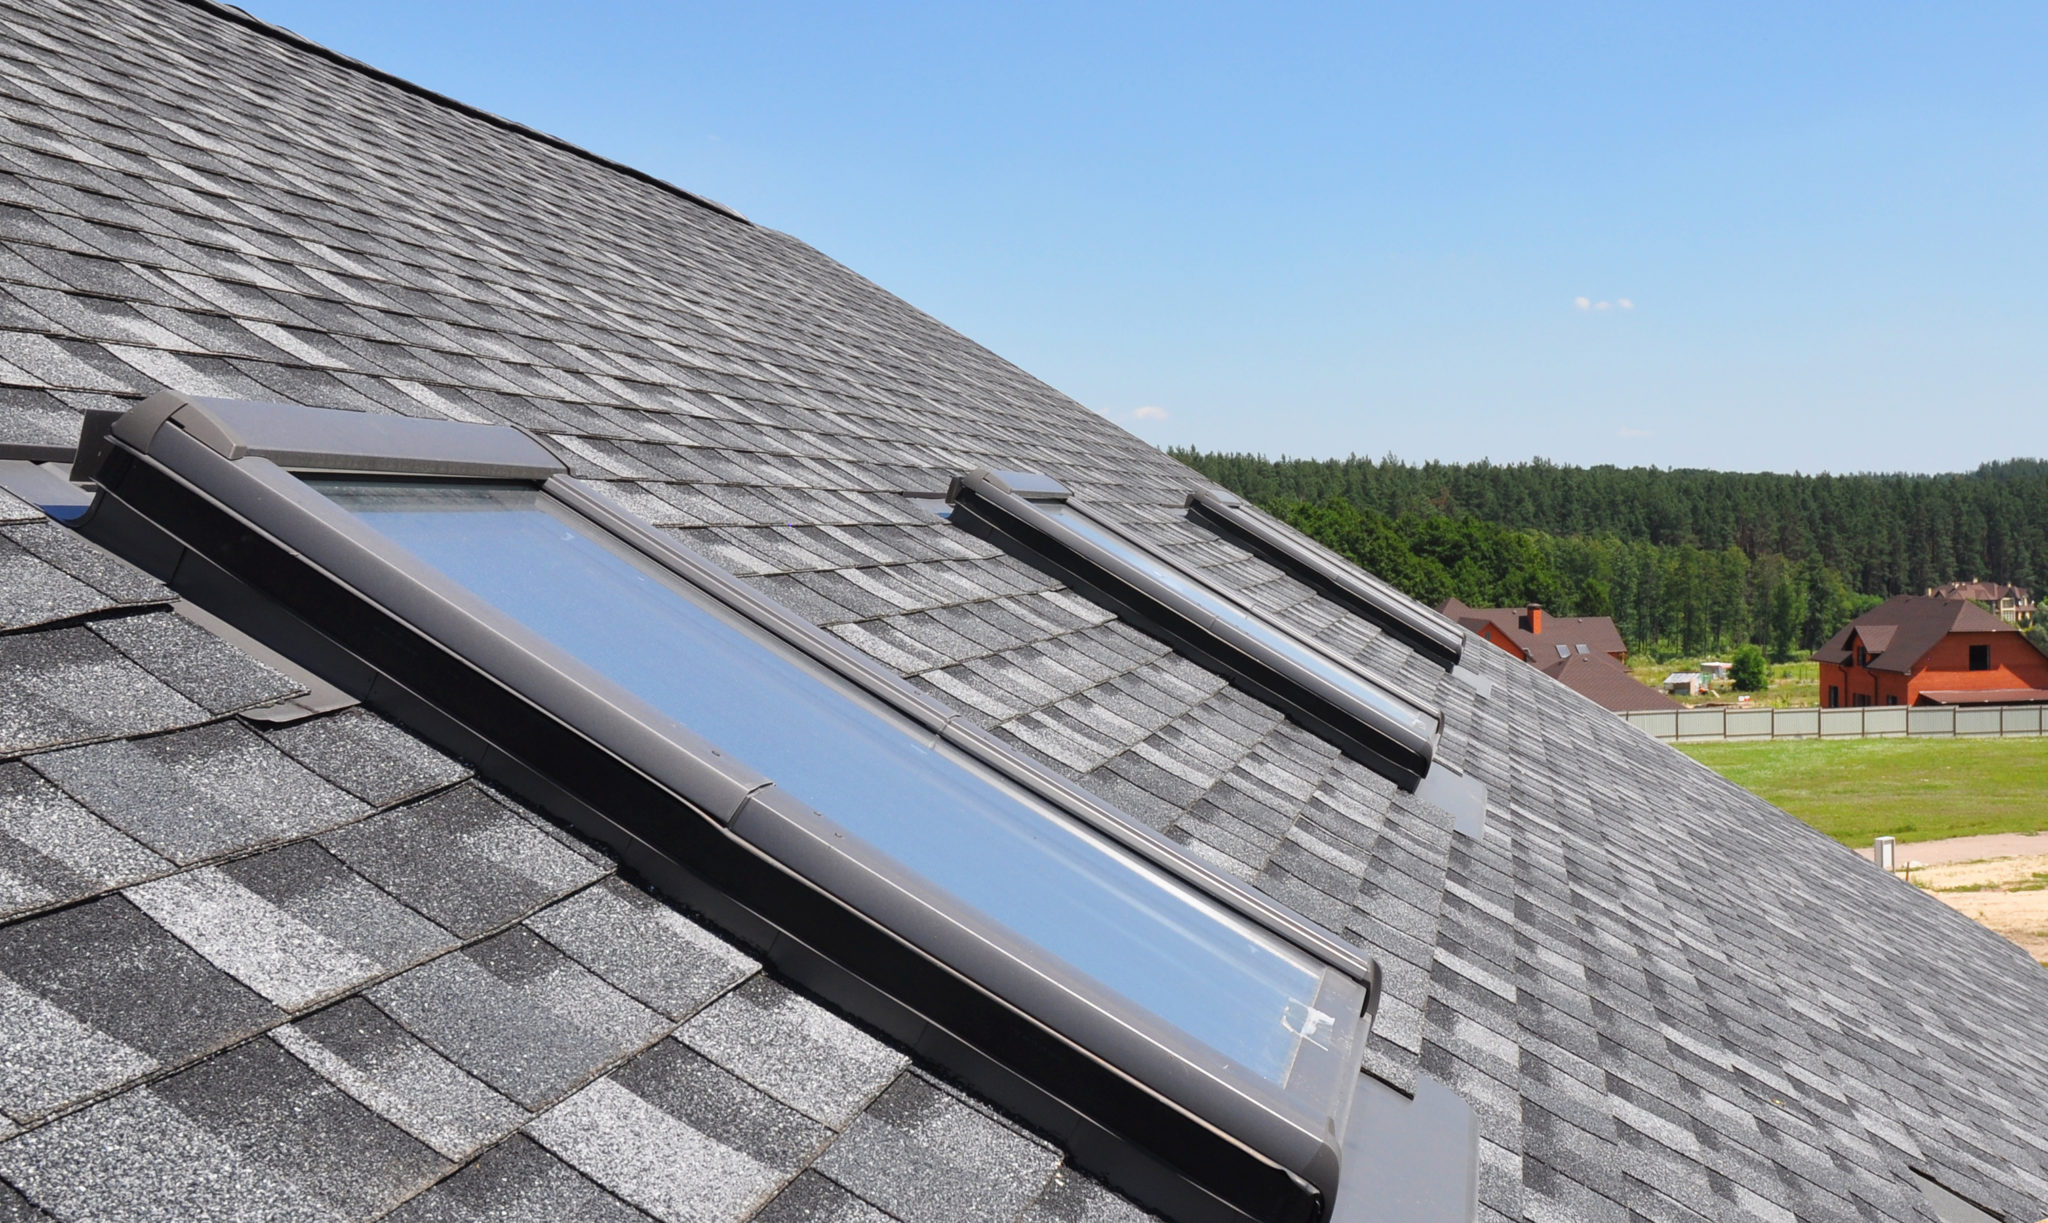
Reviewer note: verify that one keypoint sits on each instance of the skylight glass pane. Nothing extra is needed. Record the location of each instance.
(1421, 724)
(1054, 882)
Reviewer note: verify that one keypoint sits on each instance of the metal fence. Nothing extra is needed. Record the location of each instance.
(1734, 724)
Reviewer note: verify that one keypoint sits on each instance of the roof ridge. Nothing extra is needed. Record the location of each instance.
(243, 17)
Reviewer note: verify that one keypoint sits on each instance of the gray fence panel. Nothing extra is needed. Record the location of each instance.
(1979, 721)
(1796, 724)
(1940, 720)
(1841, 723)
(1734, 724)
(1747, 723)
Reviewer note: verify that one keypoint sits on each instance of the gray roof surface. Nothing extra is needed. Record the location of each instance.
(316, 971)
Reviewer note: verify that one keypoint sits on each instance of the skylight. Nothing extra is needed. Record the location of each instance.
(1389, 731)
(1196, 1043)
(1120, 921)
(1329, 575)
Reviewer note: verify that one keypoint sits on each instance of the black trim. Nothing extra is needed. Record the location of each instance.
(1354, 590)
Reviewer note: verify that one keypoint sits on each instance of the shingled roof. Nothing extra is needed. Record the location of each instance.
(1898, 632)
(317, 970)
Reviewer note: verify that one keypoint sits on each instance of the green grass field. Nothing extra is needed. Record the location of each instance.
(1913, 789)
(1794, 685)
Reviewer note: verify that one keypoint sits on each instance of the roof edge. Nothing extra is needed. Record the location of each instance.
(249, 20)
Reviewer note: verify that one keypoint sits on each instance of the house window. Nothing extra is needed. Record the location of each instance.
(1862, 698)
(1388, 731)
(898, 860)
(1980, 658)
(1329, 575)
(1891, 700)
(1834, 697)
(1862, 659)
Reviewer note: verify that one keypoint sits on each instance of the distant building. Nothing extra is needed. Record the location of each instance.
(2012, 604)
(1926, 650)
(1584, 653)
(1715, 672)
(1686, 683)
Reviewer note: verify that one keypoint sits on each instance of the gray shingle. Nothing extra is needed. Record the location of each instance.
(518, 1015)
(68, 686)
(249, 1134)
(365, 1053)
(205, 669)
(463, 859)
(926, 1157)
(293, 924)
(795, 1050)
(52, 850)
(680, 1138)
(33, 591)
(199, 793)
(367, 756)
(517, 1182)
(642, 946)
(97, 995)
(811, 1198)
(1073, 1198)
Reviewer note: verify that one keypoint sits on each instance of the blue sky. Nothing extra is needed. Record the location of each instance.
(1763, 237)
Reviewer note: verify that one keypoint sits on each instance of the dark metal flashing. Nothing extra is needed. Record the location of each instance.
(715, 832)
(985, 506)
(300, 42)
(1424, 631)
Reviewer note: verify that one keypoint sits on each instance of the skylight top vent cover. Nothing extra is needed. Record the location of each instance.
(1344, 584)
(1192, 1041)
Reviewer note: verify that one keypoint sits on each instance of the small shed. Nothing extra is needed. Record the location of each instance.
(1715, 672)
(1685, 683)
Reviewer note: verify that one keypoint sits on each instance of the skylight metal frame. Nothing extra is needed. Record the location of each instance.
(1008, 508)
(208, 495)
(1427, 633)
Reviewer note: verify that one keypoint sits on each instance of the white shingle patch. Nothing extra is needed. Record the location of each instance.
(675, 1173)
(48, 1058)
(250, 939)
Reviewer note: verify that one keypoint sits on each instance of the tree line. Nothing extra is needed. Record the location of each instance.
(1687, 562)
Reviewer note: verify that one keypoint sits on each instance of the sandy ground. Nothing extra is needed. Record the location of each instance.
(1968, 849)
(2008, 894)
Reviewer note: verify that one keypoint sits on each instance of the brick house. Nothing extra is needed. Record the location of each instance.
(2013, 604)
(1584, 653)
(1921, 650)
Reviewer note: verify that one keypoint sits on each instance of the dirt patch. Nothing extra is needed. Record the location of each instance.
(2010, 895)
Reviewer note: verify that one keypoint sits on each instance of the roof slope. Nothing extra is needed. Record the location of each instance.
(1665, 998)
(1607, 683)
(317, 971)
(1596, 633)
(1898, 632)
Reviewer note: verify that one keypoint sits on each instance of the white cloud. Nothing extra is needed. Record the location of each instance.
(1583, 303)
(1603, 305)
(1627, 432)
(1625, 303)
(1150, 412)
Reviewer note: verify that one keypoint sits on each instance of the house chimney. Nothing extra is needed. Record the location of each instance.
(1535, 619)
